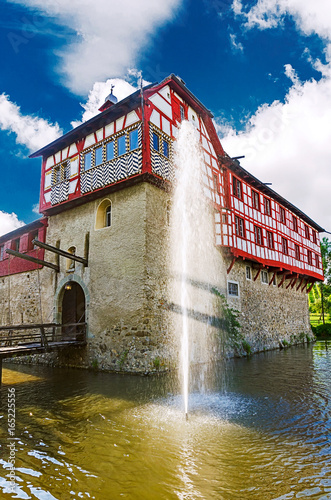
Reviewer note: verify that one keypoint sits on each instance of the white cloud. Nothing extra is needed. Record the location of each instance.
(110, 35)
(288, 144)
(30, 131)
(99, 92)
(35, 209)
(236, 46)
(309, 16)
(9, 222)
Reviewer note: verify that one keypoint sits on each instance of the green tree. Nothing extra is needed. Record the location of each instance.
(326, 260)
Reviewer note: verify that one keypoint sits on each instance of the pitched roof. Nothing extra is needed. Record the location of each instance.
(238, 170)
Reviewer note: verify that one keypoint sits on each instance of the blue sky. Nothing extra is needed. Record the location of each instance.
(263, 69)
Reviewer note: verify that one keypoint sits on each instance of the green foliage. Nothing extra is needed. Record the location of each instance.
(322, 331)
(95, 364)
(122, 359)
(228, 324)
(285, 343)
(247, 347)
(156, 363)
(326, 259)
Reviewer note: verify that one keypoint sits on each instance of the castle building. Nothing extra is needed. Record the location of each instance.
(105, 191)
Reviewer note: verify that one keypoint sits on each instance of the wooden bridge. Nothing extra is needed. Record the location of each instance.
(22, 340)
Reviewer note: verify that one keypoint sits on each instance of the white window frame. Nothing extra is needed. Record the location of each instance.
(230, 282)
(264, 273)
(250, 273)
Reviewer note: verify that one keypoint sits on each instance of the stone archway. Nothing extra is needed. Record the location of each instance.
(73, 308)
(71, 302)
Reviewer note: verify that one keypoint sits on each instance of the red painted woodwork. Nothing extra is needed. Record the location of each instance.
(13, 265)
(220, 173)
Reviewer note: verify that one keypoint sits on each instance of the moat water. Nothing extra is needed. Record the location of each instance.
(262, 430)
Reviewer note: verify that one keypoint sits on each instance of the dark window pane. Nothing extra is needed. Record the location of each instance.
(88, 160)
(121, 146)
(166, 149)
(98, 156)
(133, 139)
(108, 216)
(110, 151)
(156, 144)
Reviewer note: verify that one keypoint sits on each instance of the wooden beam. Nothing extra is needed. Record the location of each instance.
(257, 274)
(304, 286)
(273, 277)
(294, 281)
(311, 286)
(300, 283)
(58, 251)
(33, 259)
(232, 264)
(290, 283)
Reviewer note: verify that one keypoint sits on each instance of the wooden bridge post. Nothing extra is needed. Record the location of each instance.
(0, 370)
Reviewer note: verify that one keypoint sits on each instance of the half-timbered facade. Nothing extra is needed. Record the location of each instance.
(105, 188)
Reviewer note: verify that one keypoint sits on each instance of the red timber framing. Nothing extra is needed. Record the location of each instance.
(21, 240)
(251, 220)
(268, 230)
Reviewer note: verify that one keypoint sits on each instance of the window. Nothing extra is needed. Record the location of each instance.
(57, 174)
(31, 237)
(314, 237)
(16, 245)
(309, 258)
(267, 206)
(108, 216)
(104, 215)
(284, 246)
(256, 200)
(215, 183)
(317, 260)
(307, 232)
(295, 224)
(98, 156)
(237, 187)
(224, 219)
(70, 262)
(258, 235)
(248, 273)
(264, 277)
(88, 160)
(165, 148)
(110, 153)
(240, 227)
(297, 251)
(121, 145)
(270, 240)
(156, 142)
(182, 112)
(65, 170)
(282, 215)
(233, 289)
(133, 139)
(2, 252)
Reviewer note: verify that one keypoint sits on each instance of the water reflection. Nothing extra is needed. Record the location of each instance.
(262, 430)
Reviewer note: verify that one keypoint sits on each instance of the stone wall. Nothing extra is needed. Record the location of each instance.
(269, 314)
(133, 316)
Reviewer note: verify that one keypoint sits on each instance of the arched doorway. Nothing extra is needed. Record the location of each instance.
(73, 309)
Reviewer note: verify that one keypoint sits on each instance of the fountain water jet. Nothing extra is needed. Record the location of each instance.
(193, 255)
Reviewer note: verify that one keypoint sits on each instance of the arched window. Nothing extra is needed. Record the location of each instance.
(104, 215)
(70, 262)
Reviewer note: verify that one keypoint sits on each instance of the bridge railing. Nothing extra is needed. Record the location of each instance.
(42, 334)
